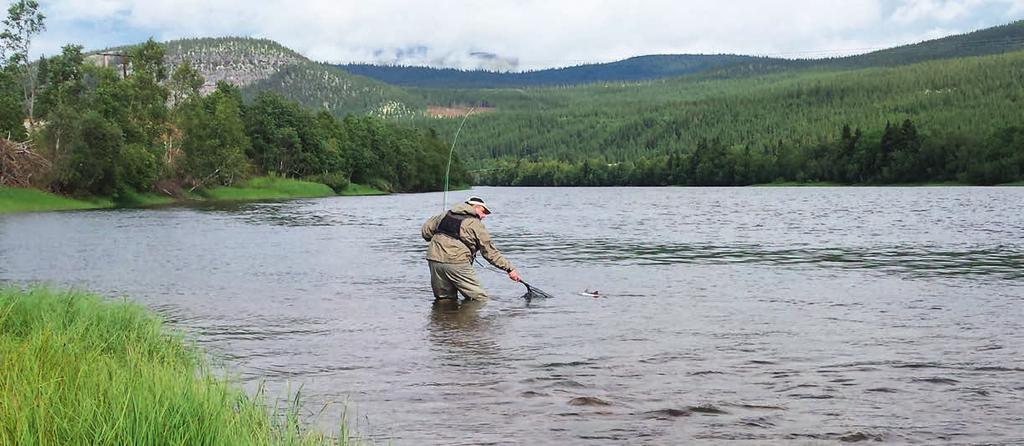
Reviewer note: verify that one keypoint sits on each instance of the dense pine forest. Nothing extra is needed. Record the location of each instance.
(75, 126)
(958, 120)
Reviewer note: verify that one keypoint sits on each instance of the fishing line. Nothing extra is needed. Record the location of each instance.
(447, 171)
(531, 291)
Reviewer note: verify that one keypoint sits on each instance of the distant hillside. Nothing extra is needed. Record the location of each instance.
(632, 69)
(259, 64)
(973, 96)
(996, 40)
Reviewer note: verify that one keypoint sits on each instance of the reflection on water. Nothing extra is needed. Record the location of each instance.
(463, 337)
(803, 315)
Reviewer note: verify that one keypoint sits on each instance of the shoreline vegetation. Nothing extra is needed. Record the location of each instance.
(15, 200)
(135, 136)
(18, 200)
(78, 369)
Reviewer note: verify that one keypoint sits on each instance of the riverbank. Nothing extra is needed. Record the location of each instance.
(13, 200)
(76, 369)
(354, 189)
(268, 188)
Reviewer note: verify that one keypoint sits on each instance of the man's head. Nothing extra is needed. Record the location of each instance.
(479, 206)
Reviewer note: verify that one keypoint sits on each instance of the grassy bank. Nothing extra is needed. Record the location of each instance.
(799, 184)
(259, 188)
(75, 369)
(354, 189)
(268, 188)
(14, 199)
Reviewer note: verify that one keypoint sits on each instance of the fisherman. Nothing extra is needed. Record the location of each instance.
(455, 237)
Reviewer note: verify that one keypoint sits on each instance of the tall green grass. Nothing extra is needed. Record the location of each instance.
(269, 188)
(75, 369)
(355, 189)
(13, 199)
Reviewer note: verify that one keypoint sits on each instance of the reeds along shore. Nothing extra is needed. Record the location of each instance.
(76, 369)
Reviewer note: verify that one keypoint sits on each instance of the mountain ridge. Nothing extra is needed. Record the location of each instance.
(993, 40)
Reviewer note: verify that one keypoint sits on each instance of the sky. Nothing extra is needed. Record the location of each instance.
(524, 34)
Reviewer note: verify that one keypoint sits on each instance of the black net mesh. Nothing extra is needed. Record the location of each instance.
(533, 292)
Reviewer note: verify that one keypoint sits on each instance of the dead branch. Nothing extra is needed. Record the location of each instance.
(199, 184)
(19, 163)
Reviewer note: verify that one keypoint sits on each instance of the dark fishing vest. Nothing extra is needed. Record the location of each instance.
(451, 226)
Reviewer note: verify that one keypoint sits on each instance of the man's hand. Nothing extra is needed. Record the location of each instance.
(514, 275)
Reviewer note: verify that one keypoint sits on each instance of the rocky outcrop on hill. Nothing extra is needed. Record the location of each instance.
(258, 65)
(239, 61)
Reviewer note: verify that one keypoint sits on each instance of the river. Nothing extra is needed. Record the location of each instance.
(759, 315)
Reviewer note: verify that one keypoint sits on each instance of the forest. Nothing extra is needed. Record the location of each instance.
(947, 110)
(79, 128)
(898, 154)
(965, 115)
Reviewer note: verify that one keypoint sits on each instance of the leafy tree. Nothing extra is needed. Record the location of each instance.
(11, 116)
(185, 83)
(214, 139)
(23, 22)
(94, 152)
(148, 59)
(63, 86)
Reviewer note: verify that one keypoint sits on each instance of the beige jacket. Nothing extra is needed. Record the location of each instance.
(445, 249)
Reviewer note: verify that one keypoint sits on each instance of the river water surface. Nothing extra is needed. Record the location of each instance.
(750, 315)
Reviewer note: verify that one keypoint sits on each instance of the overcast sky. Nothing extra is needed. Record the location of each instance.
(524, 34)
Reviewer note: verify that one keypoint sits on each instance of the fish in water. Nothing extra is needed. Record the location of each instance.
(595, 294)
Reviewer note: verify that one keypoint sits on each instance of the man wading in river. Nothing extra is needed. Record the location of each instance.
(455, 237)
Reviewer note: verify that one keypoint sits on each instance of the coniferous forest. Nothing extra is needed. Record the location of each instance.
(949, 120)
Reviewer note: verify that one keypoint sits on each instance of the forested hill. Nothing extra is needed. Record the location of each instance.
(958, 119)
(632, 69)
(995, 40)
(257, 65)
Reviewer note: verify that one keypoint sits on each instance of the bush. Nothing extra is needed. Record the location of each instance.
(91, 166)
(138, 168)
(379, 184)
(336, 180)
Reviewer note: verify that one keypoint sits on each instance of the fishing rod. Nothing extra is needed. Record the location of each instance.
(448, 170)
(531, 291)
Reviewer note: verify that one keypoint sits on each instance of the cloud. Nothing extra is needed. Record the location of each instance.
(524, 33)
(946, 11)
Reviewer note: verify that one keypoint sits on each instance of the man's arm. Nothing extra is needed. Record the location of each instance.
(487, 249)
(428, 229)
